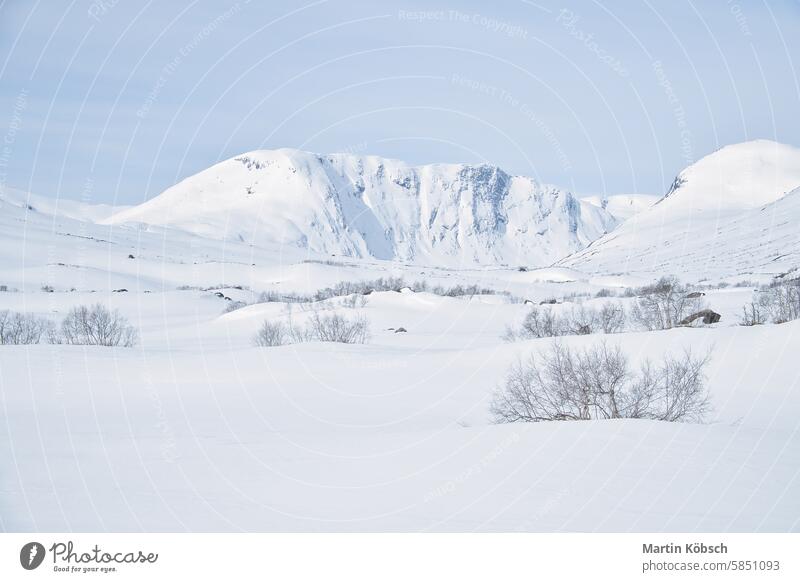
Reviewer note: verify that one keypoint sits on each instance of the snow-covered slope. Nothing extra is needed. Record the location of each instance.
(622, 206)
(61, 207)
(373, 207)
(733, 213)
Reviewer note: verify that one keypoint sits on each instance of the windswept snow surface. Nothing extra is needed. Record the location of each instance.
(733, 213)
(370, 207)
(196, 429)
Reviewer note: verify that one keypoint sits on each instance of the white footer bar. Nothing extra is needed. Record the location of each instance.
(406, 557)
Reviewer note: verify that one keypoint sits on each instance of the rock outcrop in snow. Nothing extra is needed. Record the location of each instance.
(368, 206)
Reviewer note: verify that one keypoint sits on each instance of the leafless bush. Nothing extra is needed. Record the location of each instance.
(337, 328)
(328, 262)
(96, 325)
(781, 301)
(579, 320)
(611, 317)
(271, 334)
(664, 304)
(753, 314)
(605, 293)
(744, 283)
(234, 306)
(354, 301)
(575, 297)
(364, 288)
(538, 323)
(598, 383)
(22, 328)
(298, 334)
(543, 322)
(674, 391)
(330, 327)
(275, 297)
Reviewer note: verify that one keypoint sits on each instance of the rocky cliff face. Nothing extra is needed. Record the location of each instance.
(365, 206)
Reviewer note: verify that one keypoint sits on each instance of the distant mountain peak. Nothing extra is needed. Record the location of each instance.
(733, 212)
(367, 206)
(738, 176)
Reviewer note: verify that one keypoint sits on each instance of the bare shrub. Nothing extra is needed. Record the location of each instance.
(275, 297)
(611, 317)
(330, 327)
(664, 305)
(605, 293)
(579, 321)
(328, 262)
(781, 301)
(575, 297)
(271, 334)
(538, 323)
(753, 314)
(234, 306)
(673, 391)
(300, 333)
(96, 325)
(543, 322)
(22, 328)
(337, 328)
(364, 288)
(354, 301)
(598, 383)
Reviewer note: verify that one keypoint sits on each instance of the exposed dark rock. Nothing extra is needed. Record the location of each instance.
(400, 330)
(708, 316)
(695, 295)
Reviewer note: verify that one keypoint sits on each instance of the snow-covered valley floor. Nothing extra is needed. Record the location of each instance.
(196, 429)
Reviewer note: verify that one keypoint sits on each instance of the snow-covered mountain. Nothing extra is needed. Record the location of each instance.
(733, 213)
(366, 206)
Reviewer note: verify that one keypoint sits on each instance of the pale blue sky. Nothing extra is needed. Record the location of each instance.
(115, 100)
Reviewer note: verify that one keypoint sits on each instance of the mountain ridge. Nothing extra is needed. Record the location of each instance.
(368, 206)
(733, 212)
